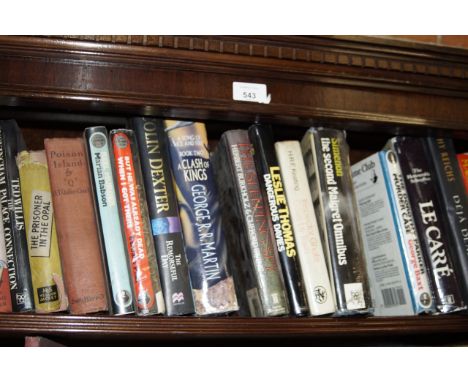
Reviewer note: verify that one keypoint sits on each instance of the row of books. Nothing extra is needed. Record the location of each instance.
(146, 220)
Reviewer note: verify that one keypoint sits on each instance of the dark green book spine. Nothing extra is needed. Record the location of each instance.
(19, 272)
(164, 215)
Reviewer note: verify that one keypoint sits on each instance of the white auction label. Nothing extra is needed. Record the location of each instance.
(249, 92)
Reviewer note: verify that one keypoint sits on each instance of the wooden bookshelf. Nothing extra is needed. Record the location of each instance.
(371, 86)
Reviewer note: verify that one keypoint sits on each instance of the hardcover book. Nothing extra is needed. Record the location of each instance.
(463, 163)
(235, 153)
(431, 222)
(271, 185)
(382, 245)
(44, 256)
(164, 214)
(139, 241)
(5, 297)
(413, 258)
(309, 245)
(76, 225)
(454, 203)
(110, 228)
(326, 156)
(210, 273)
(19, 272)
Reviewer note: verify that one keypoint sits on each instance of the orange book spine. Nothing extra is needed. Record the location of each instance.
(463, 162)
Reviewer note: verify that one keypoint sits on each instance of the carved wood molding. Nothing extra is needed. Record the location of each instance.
(399, 57)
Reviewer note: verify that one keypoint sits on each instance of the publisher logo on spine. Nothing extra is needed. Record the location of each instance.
(121, 141)
(123, 298)
(320, 294)
(98, 140)
(178, 298)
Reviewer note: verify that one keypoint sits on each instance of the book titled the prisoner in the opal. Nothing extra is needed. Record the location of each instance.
(319, 290)
(19, 272)
(326, 156)
(44, 256)
(164, 214)
(109, 223)
(137, 228)
(271, 184)
(454, 202)
(249, 203)
(413, 257)
(382, 247)
(431, 222)
(210, 274)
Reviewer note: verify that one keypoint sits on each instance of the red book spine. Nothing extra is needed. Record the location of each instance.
(5, 295)
(463, 162)
(138, 239)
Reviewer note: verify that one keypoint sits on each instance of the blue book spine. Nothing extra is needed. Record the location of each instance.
(109, 222)
(212, 281)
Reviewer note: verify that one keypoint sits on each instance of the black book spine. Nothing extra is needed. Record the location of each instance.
(164, 215)
(327, 159)
(19, 272)
(454, 201)
(431, 222)
(267, 166)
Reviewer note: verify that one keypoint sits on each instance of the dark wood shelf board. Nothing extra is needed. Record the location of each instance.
(230, 327)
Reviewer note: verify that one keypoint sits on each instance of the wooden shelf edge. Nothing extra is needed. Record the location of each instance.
(171, 327)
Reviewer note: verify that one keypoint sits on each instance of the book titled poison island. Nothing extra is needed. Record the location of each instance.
(431, 221)
(326, 156)
(210, 273)
(454, 203)
(235, 154)
(19, 272)
(107, 209)
(76, 225)
(271, 185)
(164, 214)
(137, 228)
(44, 256)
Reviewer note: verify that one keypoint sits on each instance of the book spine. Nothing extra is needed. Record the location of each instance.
(140, 245)
(76, 225)
(463, 163)
(164, 214)
(44, 257)
(269, 176)
(106, 207)
(413, 257)
(387, 277)
(261, 243)
(236, 235)
(430, 223)
(5, 297)
(19, 272)
(454, 202)
(309, 245)
(210, 274)
(326, 155)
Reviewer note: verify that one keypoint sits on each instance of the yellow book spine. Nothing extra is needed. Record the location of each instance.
(44, 257)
